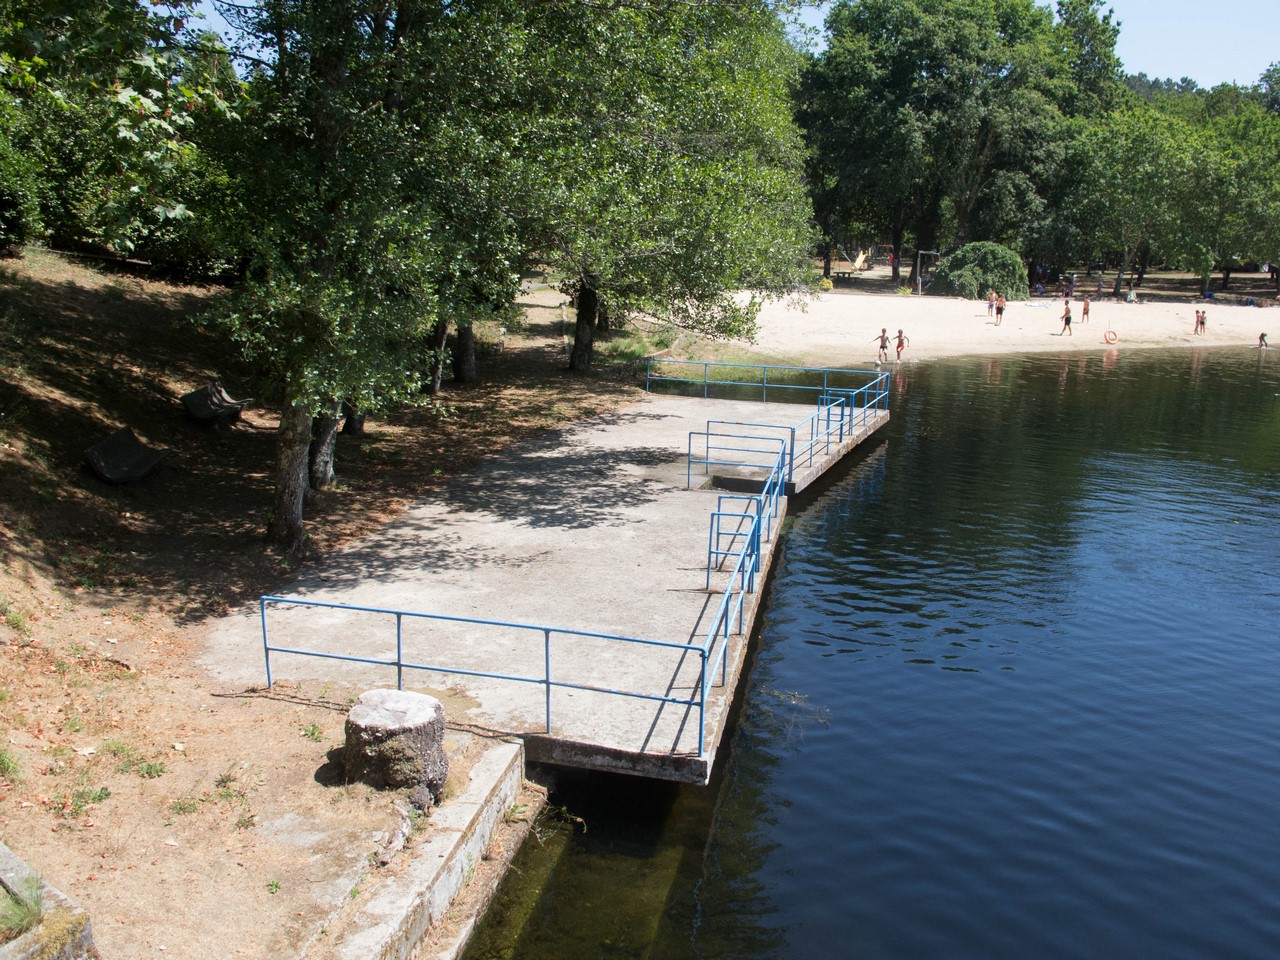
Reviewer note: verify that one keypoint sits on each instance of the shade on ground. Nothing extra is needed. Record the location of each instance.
(592, 528)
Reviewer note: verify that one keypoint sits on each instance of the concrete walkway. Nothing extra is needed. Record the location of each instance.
(590, 528)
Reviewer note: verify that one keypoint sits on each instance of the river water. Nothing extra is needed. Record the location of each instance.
(1016, 694)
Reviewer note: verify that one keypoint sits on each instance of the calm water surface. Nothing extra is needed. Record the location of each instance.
(1016, 695)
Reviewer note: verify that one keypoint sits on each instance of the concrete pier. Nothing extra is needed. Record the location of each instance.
(589, 528)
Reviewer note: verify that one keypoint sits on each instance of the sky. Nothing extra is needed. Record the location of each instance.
(1230, 41)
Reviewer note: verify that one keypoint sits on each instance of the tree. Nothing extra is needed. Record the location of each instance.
(339, 294)
(930, 115)
(120, 71)
(1130, 169)
(672, 179)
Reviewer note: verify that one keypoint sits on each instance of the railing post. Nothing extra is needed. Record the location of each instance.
(546, 666)
(702, 704)
(706, 378)
(266, 647)
(399, 651)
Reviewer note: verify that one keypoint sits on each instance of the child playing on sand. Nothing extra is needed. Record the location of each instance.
(883, 355)
(1066, 317)
(903, 340)
(1084, 310)
(1000, 302)
(991, 301)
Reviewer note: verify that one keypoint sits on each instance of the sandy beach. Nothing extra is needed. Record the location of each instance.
(846, 325)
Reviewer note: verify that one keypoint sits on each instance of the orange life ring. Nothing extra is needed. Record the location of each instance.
(1111, 336)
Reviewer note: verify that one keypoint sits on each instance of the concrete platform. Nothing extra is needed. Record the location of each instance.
(590, 528)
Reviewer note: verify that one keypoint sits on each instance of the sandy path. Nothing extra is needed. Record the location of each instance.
(840, 329)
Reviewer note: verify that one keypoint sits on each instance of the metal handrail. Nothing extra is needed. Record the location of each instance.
(401, 664)
(877, 380)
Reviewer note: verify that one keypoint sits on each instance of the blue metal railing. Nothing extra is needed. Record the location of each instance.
(545, 679)
(838, 417)
(736, 535)
(874, 383)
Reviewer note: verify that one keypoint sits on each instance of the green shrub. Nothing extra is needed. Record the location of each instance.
(978, 267)
(19, 188)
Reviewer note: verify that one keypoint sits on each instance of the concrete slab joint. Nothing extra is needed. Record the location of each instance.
(395, 739)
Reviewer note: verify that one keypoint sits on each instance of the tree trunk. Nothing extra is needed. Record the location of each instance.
(464, 355)
(602, 316)
(324, 442)
(293, 441)
(826, 262)
(436, 341)
(1124, 268)
(584, 330)
(1226, 276)
(353, 425)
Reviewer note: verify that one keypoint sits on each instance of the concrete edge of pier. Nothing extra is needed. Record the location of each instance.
(426, 905)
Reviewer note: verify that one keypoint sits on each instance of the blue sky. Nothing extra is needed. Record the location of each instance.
(1212, 43)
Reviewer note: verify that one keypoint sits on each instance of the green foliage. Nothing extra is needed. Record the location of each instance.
(10, 768)
(21, 909)
(19, 181)
(116, 74)
(978, 267)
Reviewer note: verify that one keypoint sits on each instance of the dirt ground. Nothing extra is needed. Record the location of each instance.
(189, 820)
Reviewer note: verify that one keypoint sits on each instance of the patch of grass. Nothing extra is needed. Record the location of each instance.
(14, 618)
(73, 724)
(10, 768)
(184, 805)
(131, 761)
(20, 910)
(273, 886)
(313, 732)
(80, 801)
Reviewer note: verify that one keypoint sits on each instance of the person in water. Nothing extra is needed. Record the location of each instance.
(903, 341)
(883, 355)
(1262, 341)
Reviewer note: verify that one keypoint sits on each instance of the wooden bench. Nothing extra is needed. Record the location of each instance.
(122, 457)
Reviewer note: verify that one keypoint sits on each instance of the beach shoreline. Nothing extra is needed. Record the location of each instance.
(842, 328)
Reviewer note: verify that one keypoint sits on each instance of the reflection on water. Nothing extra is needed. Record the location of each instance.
(1015, 695)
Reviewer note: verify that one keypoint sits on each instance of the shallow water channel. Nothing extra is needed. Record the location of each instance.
(1016, 694)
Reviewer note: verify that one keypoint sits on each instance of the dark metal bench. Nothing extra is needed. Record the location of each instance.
(211, 404)
(122, 457)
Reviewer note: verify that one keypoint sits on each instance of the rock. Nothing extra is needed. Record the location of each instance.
(396, 739)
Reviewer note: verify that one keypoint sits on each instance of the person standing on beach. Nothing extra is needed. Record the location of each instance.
(991, 301)
(1000, 301)
(883, 355)
(903, 341)
(1084, 310)
(1262, 341)
(1066, 317)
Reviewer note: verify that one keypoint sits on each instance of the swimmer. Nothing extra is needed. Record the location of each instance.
(883, 355)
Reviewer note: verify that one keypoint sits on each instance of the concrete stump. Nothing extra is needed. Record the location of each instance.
(396, 739)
